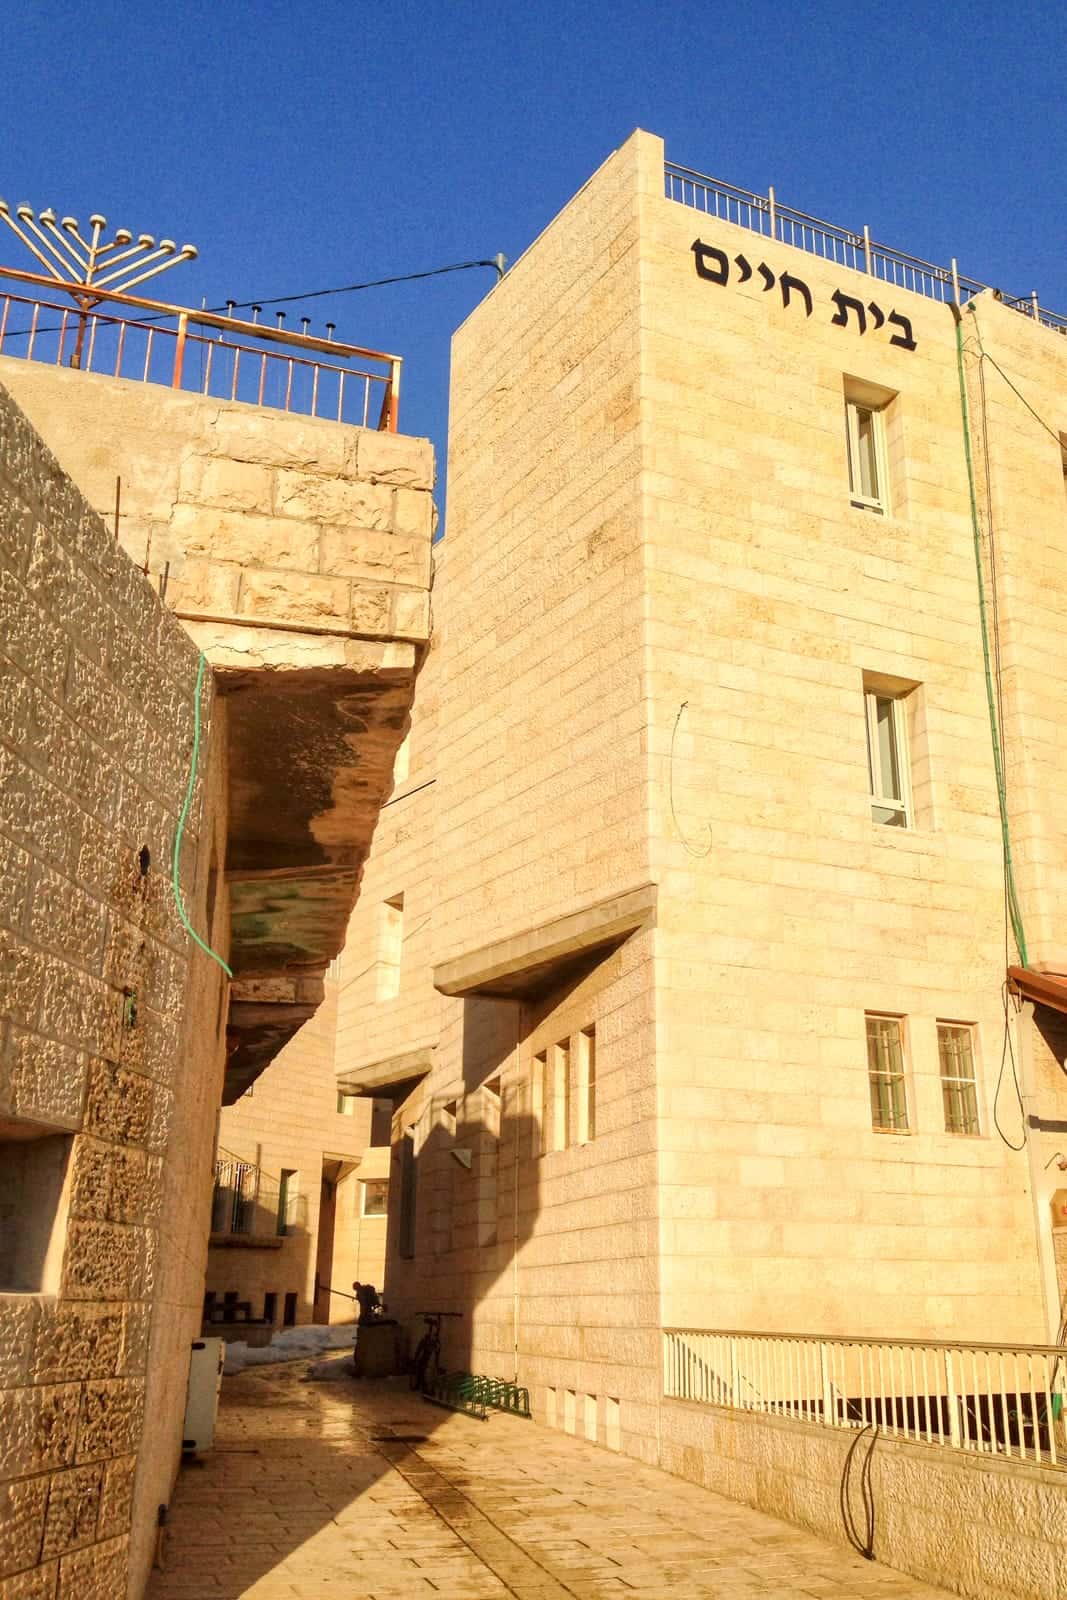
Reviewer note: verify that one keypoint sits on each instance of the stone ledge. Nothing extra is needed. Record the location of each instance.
(391, 1078)
(520, 964)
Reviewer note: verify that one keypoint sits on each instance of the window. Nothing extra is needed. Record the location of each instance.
(289, 1314)
(390, 946)
(887, 758)
(286, 1199)
(270, 1307)
(561, 1095)
(586, 1085)
(346, 1104)
(409, 1177)
(374, 1197)
(885, 1069)
(868, 467)
(955, 1048)
(542, 1099)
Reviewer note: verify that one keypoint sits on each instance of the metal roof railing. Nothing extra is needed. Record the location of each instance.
(202, 352)
(764, 215)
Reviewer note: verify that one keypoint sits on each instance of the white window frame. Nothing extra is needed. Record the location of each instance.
(901, 803)
(959, 1081)
(891, 1078)
(878, 502)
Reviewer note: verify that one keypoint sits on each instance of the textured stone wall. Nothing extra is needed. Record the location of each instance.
(111, 1035)
(983, 1527)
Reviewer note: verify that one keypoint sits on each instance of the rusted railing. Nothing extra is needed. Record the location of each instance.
(763, 214)
(203, 352)
(1002, 1400)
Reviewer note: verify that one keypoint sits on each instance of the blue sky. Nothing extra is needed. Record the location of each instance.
(315, 143)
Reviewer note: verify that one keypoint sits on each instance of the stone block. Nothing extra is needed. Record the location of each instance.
(283, 441)
(33, 639)
(112, 1413)
(73, 1510)
(333, 500)
(37, 1584)
(207, 586)
(392, 458)
(103, 1261)
(18, 1329)
(76, 1342)
(33, 812)
(65, 920)
(98, 1573)
(116, 1497)
(411, 614)
(250, 541)
(225, 483)
(38, 1428)
(295, 598)
(43, 1081)
(135, 1185)
(118, 1104)
(93, 1175)
(137, 1320)
(370, 609)
(413, 513)
(22, 1511)
(376, 556)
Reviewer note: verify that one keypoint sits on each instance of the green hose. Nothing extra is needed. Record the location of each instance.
(190, 930)
(1014, 912)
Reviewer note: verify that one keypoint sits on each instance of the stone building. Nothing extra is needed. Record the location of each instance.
(691, 959)
(211, 618)
(301, 1192)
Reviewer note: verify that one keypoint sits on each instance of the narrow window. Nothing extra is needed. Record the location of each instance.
(589, 1415)
(612, 1423)
(409, 1175)
(868, 470)
(542, 1091)
(955, 1048)
(586, 1085)
(289, 1317)
(374, 1196)
(561, 1095)
(885, 1069)
(286, 1199)
(570, 1410)
(887, 758)
(270, 1308)
(390, 946)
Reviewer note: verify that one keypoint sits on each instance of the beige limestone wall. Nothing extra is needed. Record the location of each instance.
(1006, 1536)
(288, 1121)
(255, 512)
(111, 1047)
(784, 912)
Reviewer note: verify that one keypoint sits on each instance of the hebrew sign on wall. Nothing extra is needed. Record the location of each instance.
(714, 265)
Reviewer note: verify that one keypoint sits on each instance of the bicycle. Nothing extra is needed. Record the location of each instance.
(428, 1348)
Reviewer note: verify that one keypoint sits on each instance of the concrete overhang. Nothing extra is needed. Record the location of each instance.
(523, 964)
(391, 1078)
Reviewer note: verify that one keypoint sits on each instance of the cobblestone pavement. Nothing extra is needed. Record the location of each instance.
(356, 1491)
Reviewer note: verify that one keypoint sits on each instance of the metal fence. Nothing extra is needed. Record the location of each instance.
(203, 352)
(763, 214)
(245, 1200)
(1001, 1400)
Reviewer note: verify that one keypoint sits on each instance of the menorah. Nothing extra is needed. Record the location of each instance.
(86, 266)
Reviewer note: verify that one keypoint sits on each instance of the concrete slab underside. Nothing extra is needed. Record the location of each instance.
(363, 1492)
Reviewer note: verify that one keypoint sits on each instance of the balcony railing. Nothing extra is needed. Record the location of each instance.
(250, 1203)
(999, 1400)
(764, 215)
(202, 352)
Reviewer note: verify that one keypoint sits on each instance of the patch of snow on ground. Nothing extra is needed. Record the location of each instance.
(292, 1344)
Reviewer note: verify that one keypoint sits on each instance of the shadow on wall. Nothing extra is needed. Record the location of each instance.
(467, 1170)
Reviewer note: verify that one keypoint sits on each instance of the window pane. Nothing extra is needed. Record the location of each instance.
(868, 458)
(958, 1090)
(888, 756)
(890, 816)
(885, 1065)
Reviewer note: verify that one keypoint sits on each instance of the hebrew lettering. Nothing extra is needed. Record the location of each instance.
(767, 275)
(843, 302)
(703, 254)
(876, 313)
(746, 270)
(904, 340)
(789, 284)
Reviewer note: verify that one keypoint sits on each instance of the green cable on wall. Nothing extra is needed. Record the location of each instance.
(1014, 912)
(178, 901)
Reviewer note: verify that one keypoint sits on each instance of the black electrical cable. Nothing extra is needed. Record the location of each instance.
(312, 294)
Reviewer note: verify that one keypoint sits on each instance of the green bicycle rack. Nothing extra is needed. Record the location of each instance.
(474, 1394)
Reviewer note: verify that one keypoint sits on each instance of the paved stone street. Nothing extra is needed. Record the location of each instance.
(359, 1491)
